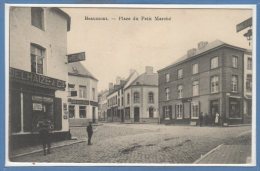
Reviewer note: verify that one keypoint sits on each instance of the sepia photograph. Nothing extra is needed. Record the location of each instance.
(130, 85)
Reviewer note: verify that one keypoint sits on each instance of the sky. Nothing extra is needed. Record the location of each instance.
(114, 46)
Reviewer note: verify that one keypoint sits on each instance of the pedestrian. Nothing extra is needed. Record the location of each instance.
(201, 119)
(217, 118)
(45, 127)
(90, 132)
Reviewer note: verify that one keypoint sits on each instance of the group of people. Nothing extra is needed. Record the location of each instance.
(215, 120)
(45, 128)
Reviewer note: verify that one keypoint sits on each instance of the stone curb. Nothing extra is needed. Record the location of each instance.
(39, 150)
(208, 153)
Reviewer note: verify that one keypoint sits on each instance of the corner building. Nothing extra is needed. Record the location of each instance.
(207, 79)
(37, 72)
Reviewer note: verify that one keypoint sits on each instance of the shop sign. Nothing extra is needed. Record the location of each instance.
(76, 57)
(36, 79)
(80, 102)
(37, 106)
(244, 24)
(42, 99)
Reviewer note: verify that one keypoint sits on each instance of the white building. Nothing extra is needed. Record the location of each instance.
(38, 72)
(83, 101)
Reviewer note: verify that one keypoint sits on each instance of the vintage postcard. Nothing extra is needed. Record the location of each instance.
(130, 85)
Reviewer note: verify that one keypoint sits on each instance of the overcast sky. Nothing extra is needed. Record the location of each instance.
(114, 47)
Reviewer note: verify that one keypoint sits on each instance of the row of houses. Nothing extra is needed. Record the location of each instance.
(212, 78)
(40, 76)
(134, 99)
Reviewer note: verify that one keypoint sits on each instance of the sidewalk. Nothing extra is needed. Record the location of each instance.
(38, 148)
(237, 151)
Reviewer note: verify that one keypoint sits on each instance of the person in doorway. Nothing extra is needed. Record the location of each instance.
(90, 132)
(45, 127)
(217, 118)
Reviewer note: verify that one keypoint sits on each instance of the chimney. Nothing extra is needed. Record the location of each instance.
(191, 52)
(149, 70)
(118, 79)
(202, 44)
(111, 86)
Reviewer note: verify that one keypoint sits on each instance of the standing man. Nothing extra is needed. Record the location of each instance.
(90, 132)
(45, 128)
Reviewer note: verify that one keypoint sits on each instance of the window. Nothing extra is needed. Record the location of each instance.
(179, 111)
(214, 63)
(118, 102)
(150, 97)
(128, 98)
(167, 93)
(195, 88)
(249, 63)
(234, 81)
(37, 58)
(167, 77)
(136, 97)
(82, 112)
(180, 73)
(180, 88)
(195, 68)
(249, 83)
(214, 82)
(93, 94)
(71, 111)
(37, 17)
(195, 109)
(82, 91)
(234, 61)
(167, 112)
(122, 101)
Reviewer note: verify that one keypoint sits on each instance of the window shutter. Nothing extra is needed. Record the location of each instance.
(57, 114)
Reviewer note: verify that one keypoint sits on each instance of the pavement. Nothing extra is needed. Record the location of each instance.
(147, 143)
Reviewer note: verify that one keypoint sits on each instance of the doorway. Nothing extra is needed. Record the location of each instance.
(136, 114)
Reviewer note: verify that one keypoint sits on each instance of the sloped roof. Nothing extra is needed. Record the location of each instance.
(77, 69)
(208, 47)
(146, 79)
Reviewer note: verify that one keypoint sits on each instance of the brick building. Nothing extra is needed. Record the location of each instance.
(208, 79)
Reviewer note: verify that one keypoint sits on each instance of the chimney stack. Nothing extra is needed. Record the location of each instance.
(191, 52)
(149, 70)
(202, 44)
(111, 86)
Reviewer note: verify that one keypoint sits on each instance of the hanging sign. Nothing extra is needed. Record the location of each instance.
(76, 57)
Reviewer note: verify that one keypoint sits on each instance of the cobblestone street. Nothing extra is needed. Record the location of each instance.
(138, 143)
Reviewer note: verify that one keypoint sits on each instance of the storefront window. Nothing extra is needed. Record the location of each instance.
(71, 111)
(195, 109)
(179, 111)
(82, 111)
(167, 112)
(234, 111)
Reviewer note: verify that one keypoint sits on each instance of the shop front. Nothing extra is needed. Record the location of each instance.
(31, 99)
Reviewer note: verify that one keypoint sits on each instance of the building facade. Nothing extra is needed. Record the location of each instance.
(141, 98)
(102, 105)
(208, 79)
(248, 87)
(82, 100)
(37, 73)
